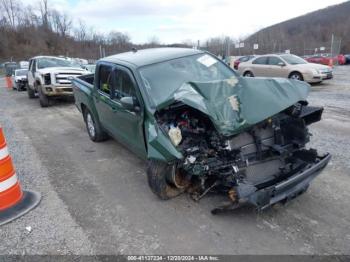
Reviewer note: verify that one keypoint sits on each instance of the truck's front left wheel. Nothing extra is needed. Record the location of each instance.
(43, 99)
(31, 92)
(94, 129)
(157, 173)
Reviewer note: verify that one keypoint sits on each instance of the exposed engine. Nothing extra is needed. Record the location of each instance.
(260, 156)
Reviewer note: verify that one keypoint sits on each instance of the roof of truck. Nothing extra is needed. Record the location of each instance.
(151, 55)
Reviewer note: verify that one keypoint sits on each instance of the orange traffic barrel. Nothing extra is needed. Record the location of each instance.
(9, 83)
(13, 201)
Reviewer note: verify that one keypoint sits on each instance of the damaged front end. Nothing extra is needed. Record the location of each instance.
(261, 163)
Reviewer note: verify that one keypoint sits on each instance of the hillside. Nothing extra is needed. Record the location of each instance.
(305, 33)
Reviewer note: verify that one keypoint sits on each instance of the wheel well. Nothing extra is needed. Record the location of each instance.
(247, 71)
(83, 108)
(295, 72)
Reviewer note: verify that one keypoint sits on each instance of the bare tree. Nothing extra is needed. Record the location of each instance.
(44, 12)
(11, 9)
(61, 23)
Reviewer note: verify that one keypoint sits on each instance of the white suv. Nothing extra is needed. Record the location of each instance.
(49, 76)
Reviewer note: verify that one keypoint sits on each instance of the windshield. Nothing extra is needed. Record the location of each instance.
(55, 62)
(21, 72)
(293, 59)
(163, 79)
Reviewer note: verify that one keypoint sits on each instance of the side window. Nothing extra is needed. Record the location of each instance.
(260, 61)
(105, 80)
(124, 86)
(30, 65)
(33, 65)
(274, 60)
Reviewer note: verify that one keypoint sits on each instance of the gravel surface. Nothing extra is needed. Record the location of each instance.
(96, 199)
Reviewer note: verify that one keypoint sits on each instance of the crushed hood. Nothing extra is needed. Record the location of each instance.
(237, 103)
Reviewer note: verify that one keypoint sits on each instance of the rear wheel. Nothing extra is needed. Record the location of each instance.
(93, 127)
(43, 99)
(157, 174)
(296, 76)
(30, 92)
(248, 74)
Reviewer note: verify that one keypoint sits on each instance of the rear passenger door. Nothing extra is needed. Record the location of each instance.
(260, 66)
(102, 95)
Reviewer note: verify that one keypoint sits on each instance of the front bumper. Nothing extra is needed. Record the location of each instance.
(318, 78)
(289, 188)
(326, 76)
(58, 90)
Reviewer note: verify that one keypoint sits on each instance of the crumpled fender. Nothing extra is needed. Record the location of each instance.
(159, 146)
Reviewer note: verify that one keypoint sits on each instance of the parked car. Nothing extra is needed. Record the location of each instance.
(49, 76)
(327, 59)
(19, 79)
(242, 59)
(347, 57)
(341, 59)
(286, 66)
(202, 127)
(318, 59)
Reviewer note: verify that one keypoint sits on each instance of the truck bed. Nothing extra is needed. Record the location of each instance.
(82, 89)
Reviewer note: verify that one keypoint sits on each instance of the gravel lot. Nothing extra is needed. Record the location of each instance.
(96, 199)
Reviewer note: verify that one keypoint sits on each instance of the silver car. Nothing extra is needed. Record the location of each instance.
(286, 66)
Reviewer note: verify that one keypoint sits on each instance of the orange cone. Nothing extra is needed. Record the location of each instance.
(9, 82)
(13, 201)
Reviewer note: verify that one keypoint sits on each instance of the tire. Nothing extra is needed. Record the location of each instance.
(296, 76)
(248, 74)
(30, 92)
(43, 99)
(93, 127)
(156, 174)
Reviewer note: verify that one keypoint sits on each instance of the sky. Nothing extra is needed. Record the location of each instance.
(177, 21)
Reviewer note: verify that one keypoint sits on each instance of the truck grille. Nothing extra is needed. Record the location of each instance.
(63, 78)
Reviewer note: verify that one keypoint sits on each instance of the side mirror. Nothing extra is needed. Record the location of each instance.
(129, 103)
(281, 64)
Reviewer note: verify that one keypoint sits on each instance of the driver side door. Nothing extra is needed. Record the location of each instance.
(127, 123)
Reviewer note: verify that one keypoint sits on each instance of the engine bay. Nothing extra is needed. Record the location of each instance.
(263, 155)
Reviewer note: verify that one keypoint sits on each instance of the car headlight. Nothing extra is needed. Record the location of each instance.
(315, 72)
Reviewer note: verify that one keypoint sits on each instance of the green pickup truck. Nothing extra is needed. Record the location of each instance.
(203, 128)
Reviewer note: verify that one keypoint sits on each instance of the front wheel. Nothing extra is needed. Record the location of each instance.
(93, 127)
(43, 99)
(248, 74)
(30, 92)
(296, 76)
(157, 173)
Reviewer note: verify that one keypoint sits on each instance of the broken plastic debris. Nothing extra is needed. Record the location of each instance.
(175, 135)
(191, 159)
